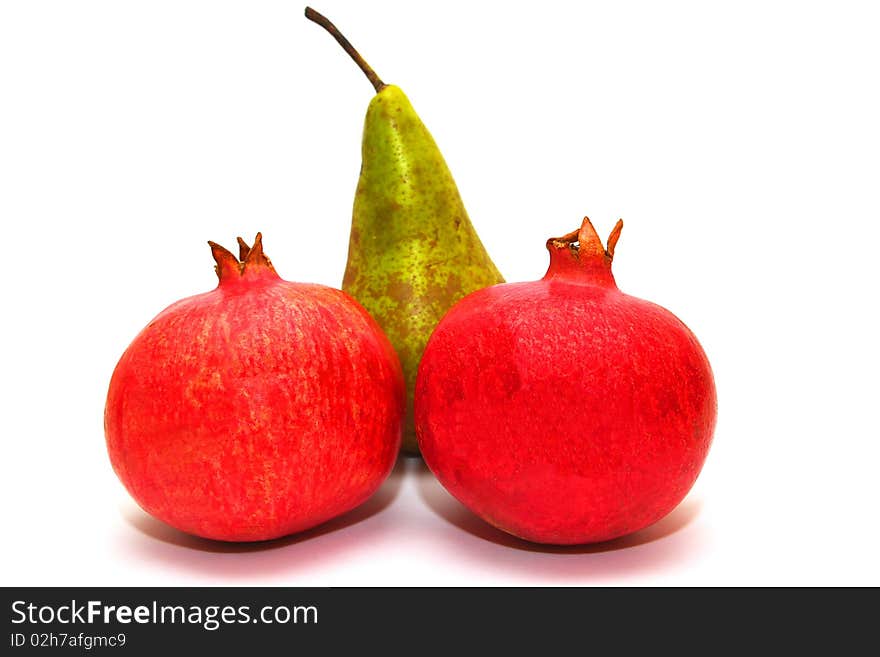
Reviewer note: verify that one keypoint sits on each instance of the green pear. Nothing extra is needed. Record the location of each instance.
(413, 251)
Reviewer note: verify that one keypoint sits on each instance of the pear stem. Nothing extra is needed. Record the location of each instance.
(322, 20)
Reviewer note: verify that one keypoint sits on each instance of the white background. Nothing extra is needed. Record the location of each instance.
(738, 140)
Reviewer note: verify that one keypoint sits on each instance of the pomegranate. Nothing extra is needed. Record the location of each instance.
(562, 410)
(256, 410)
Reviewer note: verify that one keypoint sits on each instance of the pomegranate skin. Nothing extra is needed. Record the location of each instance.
(256, 410)
(563, 411)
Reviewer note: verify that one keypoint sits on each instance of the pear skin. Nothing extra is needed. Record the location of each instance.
(413, 251)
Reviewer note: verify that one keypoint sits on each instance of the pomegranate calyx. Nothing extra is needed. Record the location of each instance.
(227, 266)
(243, 249)
(581, 256)
(251, 260)
(585, 241)
(612, 239)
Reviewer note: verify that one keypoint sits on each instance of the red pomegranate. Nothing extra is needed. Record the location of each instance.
(256, 410)
(564, 411)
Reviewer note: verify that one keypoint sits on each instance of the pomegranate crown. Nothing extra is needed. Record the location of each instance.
(582, 250)
(585, 241)
(250, 261)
